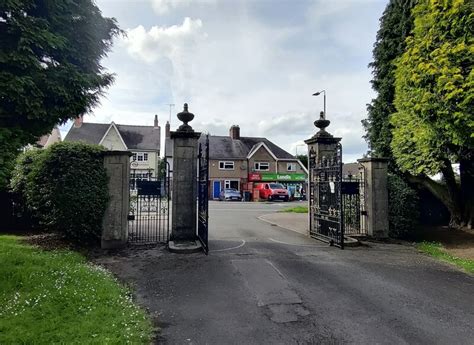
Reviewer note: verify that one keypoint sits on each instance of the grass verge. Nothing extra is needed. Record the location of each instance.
(436, 250)
(296, 209)
(57, 297)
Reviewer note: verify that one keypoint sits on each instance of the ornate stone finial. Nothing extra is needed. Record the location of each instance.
(322, 123)
(185, 116)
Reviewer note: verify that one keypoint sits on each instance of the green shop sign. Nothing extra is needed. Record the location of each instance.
(283, 177)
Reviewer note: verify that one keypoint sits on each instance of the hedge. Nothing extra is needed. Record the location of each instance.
(22, 168)
(65, 188)
(403, 207)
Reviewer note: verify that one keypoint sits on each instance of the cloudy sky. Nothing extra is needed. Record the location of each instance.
(254, 63)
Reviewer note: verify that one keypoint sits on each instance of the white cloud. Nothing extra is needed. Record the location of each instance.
(234, 67)
(168, 42)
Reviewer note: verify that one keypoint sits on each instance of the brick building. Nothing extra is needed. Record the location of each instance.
(241, 162)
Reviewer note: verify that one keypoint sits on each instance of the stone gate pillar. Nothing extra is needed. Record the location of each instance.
(375, 196)
(184, 192)
(115, 223)
(320, 145)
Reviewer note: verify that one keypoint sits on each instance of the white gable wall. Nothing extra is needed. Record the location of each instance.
(113, 141)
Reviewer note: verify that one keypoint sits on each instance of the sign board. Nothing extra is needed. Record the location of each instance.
(283, 177)
(255, 177)
(149, 188)
(350, 188)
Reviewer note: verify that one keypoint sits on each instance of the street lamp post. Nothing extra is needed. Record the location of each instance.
(317, 94)
(297, 148)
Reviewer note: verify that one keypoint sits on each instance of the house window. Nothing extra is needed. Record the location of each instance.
(231, 184)
(134, 157)
(142, 175)
(225, 165)
(262, 166)
(291, 166)
(140, 157)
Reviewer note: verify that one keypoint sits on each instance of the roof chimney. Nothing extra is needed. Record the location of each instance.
(156, 121)
(234, 132)
(78, 121)
(167, 130)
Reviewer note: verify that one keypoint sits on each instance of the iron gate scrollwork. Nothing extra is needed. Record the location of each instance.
(326, 212)
(203, 194)
(149, 211)
(353, 197)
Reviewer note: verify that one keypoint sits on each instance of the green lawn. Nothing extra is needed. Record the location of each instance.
(436, 250)
(49, 297)
(296, 209)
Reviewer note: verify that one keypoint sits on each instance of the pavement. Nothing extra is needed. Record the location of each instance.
(297, 222)
(262, 284)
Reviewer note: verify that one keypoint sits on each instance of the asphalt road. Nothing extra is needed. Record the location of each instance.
(261, 284)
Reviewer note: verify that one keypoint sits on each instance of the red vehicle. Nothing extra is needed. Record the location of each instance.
(272, 191)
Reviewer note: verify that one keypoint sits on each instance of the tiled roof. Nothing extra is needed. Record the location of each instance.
(90, 133)
(350, 169)
(135, 137)
(140, 137)
(224, 147)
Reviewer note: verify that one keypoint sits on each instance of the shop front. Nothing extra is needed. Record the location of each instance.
(295, 183)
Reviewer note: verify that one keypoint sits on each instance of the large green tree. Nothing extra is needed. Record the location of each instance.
(50, 67)
(433, 126)
(395, 25)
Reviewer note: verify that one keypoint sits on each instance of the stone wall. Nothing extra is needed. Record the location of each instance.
(376, 196)
(115, 224)
(184, 200)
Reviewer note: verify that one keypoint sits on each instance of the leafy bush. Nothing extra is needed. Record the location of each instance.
(22, 169)
(66, 189)
(403, 207)
(23, 166)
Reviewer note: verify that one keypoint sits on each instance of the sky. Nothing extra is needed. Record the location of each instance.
(252, 63)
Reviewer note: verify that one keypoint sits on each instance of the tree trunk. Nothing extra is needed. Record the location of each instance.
(447, 193)
(455, 206)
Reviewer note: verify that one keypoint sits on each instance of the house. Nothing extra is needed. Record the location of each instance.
(45, 140)
(351, 170)
(49, 139)
(142, 141)
(242, 162)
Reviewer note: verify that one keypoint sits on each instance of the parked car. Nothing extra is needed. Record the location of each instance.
(272, 191)
(230, 194)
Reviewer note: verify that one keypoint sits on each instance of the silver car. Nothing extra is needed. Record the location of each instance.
(229, 194)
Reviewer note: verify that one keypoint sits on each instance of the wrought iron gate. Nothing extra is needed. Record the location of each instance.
(353, 204)
(149, 212)
(203, 194)
(326, 212)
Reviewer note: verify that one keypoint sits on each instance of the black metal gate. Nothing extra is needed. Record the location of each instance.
(353, 205)
(203, 194)
(149, 212)
(326, 212)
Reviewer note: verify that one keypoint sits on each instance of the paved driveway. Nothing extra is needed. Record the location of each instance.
(262, 284)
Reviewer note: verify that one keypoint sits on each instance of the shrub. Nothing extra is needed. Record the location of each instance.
(403, 207)
(67, 190)
(23, 165)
